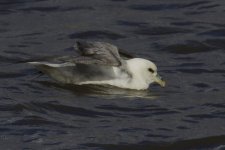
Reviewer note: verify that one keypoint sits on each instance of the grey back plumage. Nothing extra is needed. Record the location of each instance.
(100, 53)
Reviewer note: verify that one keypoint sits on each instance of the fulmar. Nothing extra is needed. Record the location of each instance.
(101, 63)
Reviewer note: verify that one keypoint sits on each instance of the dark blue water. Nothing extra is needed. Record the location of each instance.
(186, 39)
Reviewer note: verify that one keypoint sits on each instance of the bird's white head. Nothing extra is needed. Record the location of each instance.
(144, 72)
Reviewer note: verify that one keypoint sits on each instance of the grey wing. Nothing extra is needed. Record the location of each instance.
(100, 53)
(92, 53)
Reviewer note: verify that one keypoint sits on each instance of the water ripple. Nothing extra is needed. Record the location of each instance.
(131, 23)
(188, 48)
(201, 71)
(216, 33)
(33, 120)
(217, 43)
(209, 6)
(158, 136)
(55, 8)
(96, 34)
(163, 30)
(205, 142)
(71, 110)
(159, 7)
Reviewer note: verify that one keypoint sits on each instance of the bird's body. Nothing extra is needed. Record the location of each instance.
(100, 63)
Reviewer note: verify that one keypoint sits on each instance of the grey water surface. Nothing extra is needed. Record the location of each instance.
(185, 38)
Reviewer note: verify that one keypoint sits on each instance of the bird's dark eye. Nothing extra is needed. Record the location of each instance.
(151, 70)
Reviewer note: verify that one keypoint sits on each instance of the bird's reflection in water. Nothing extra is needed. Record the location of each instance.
(105, 91)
